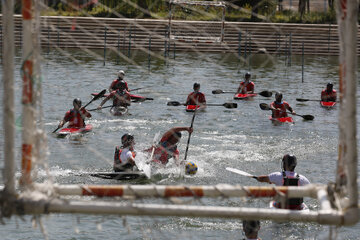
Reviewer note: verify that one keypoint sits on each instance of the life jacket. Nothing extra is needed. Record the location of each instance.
(163, 152)
(118, 164)
(74, 118)
(280, 113)
(121, 98)
(195, 98)
(291, 203)
(248, 88)
(329, 95)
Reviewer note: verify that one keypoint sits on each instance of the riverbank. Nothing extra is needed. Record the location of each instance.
(242, 38)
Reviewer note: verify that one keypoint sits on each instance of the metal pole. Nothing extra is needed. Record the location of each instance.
(8, 97)
(149, 52)
(105, 44)
(250, 54)
(1, 43)
(165, 43)
(129, 49)
(174, 49)
(329, 37)
(239, 46)
(48, 48)
(302, 64)
(118, 49)
(290, 48)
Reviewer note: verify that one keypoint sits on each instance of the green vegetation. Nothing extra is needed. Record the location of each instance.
(237, 10)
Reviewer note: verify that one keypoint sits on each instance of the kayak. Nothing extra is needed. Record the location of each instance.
(282, 120)
(119, 175)
(304, 207)
(327, 104)
(133, 97)
(191, 108)
(241, 96)
(118, 111)
(72, 131)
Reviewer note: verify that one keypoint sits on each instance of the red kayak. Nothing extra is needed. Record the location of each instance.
(327, 104)
(72, 131)
(191, 108)
(282, 120)
(240, 96)
(133, 97)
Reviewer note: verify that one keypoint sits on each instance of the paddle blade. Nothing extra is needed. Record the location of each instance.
(101, 94)
(302, 99)
(264, 106)
(217, 91)
(308, 117)
(237, 171)
(174, 103)
(230, 105)
(265, 94)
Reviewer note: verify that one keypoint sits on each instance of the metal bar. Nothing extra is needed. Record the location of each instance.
(290, 49)
(8, 96)
(105, 31)
(48, 47)
(221, 190)
(149, 52)
(302, 63)
(129, 49)
(239, 45)
(118, 49)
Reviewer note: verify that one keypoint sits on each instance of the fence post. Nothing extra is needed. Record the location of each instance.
(302, 64)
(105, 44)
(118, 49)
(149, 55)
(48, 48)
(290, 48)
(129, 42)
(239, 46)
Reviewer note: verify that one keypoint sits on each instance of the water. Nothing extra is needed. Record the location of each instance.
(243, 138)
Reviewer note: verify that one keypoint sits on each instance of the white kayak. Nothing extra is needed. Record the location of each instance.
(118, 111)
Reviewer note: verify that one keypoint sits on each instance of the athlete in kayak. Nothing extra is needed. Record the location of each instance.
(328, 94)
(167, 147)
(251, 229)
(124, 157)
(115, 84)
(196, 97)
(121, 100)
(246, 86)
(287, 177)
(75, 116)
(279, 107)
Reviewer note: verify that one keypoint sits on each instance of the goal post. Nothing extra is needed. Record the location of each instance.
(197, 35)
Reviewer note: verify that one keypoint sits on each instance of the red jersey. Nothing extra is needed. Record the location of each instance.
(328, 96)
(164, 151)
(122, 99)
(75, 119)
(115, 82)
(245, 88)
(195, 98)
(280, 113)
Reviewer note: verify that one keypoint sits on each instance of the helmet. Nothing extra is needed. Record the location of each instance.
(77, 101)
(121, 73)
(126, 139)
(121, 85)
(177, 135)
(289, 161)
(330, 85)
(278, 94)
(251, 226)
(191, 168)
(248, 74)
(196, 85)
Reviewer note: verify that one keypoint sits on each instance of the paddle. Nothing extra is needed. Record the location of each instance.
(188, 142)
(227, 105)
(94, 109)
(99, 95)
(264, 106)
(234, 170)
(135, 89)
(263, 93)
(314, 100)
(141, 99)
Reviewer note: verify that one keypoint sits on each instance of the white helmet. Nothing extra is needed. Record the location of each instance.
(121, 73)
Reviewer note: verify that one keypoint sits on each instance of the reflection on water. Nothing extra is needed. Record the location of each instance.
(243, 138)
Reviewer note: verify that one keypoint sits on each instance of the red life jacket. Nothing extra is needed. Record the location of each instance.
(74, 118)
(248, 88)
(195, 98)
(280, 113)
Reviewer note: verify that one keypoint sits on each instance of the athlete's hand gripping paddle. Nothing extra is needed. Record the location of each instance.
(265, 106)
(237, 171)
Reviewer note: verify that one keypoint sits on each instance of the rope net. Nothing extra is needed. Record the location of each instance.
(82, 53)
